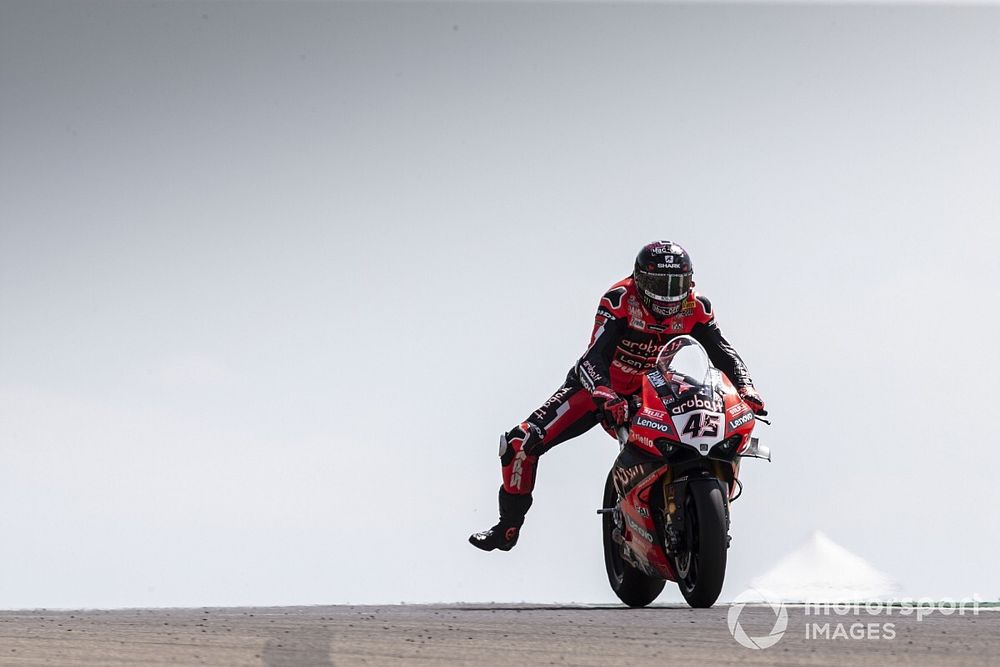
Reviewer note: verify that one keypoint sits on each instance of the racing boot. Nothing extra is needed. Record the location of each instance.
(503, 536)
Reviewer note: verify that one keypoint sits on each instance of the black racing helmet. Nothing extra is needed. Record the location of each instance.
(663, 277)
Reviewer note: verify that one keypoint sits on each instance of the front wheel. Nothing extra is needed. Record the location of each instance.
(633, 587)
(701, 569)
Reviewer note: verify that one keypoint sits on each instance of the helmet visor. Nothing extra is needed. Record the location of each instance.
(664, 287)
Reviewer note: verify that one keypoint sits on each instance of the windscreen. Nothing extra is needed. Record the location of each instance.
(683, 362)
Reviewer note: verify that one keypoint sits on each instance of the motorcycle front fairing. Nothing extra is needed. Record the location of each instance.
(692, 425)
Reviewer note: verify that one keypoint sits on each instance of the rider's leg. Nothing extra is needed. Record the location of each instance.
(568, 413)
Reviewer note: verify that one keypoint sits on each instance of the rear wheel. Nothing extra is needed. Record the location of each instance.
(632, 586)
(702, 568)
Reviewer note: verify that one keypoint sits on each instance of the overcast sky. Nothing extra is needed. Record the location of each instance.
(274, 277)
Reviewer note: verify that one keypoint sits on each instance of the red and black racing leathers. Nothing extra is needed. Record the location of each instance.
(625, 343)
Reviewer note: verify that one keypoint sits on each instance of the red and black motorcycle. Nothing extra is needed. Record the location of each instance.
(666, 501)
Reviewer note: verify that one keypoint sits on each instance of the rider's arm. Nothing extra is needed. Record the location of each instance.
(722, 354)
(594, 367)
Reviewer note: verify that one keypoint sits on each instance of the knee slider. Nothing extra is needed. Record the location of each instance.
(523, 437)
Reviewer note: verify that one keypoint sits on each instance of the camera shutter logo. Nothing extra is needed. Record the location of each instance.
(740, 635)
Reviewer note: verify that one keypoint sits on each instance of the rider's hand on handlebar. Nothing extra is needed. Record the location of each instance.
(613, 407)
(753, 399)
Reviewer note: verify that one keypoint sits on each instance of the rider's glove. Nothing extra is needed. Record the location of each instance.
(614, 408)
(753, 399)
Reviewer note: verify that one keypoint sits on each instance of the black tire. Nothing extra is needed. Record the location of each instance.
(633, 587)
(701, 572)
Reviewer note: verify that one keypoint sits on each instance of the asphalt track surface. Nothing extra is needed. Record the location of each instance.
(480, 634)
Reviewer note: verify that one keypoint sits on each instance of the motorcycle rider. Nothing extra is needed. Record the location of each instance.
(635, 318)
